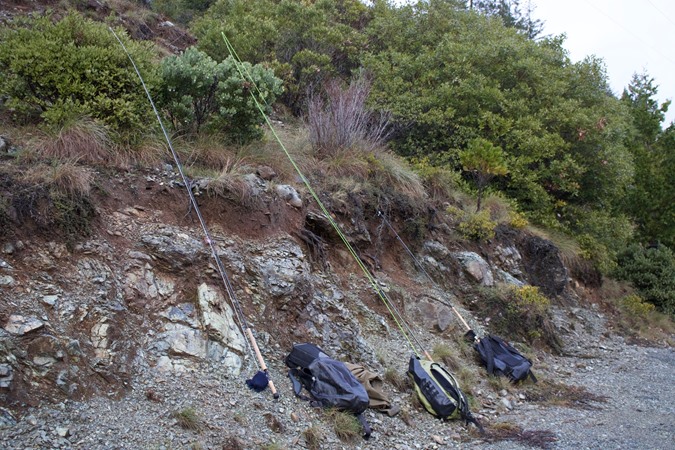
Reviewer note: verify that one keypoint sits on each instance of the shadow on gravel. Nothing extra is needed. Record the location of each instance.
(551, 393)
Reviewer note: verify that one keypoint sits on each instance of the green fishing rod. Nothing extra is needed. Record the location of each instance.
(395, 314)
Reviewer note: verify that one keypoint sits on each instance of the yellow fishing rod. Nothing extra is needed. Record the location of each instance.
(395, 314)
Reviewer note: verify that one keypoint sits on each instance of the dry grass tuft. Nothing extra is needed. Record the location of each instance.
(344, 163)
(441, 183)
(499, 207)
(389, 169)
(445, 354)
(274, 423)
(396, 379)
(558, 394)
(505, 431)
(189, 419)
(65, 177)
(313, 437)
(208, 151)
(152, 150)
(570, 252)
(406, 417)
(233, 443)
(82, 139)
(347, 428)
(229, 183)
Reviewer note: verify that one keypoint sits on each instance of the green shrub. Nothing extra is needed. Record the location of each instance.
(57, 71)
(601, 234)
(636, 306)
(518, 220)
(520, 313)
(477, 226)
(199, 94)
(651, 271)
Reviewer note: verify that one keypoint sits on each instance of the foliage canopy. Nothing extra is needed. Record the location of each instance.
(59, 71)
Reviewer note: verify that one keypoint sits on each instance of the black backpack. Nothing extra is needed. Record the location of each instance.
(329, 382)
(438, 391)
(500, 358)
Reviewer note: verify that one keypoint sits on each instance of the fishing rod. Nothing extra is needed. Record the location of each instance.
(239, 313)
(421, 267)
(396, 315)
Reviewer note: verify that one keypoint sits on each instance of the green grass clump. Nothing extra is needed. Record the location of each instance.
(189, 419)
(346, 426)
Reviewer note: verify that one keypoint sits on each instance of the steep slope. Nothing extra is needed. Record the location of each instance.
(103, 344)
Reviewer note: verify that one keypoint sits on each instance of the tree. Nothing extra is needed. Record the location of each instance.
(511, 14)
(197, 93)
(650, 200)
(56, 71)
(647, 114)
(484, 161)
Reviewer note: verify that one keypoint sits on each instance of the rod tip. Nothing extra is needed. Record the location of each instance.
(276, 396)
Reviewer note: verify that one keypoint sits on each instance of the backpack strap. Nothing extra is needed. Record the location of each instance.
(364, 423)
(486, 345)
(296, 376)
(534, 379)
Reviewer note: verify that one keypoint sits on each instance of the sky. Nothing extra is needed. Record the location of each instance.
(629, 35)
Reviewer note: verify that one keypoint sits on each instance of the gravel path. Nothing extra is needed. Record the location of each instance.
(638, 413)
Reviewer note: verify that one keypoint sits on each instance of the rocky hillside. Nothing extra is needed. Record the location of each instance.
(117, 331)
(107, 340)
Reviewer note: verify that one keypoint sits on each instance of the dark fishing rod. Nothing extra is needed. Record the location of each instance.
(421, 267)
(239, 313)
(405, 329)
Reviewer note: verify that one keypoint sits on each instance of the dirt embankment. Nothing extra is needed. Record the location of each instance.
(96, 367)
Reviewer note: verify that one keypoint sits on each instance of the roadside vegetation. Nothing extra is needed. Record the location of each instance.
(406, 109)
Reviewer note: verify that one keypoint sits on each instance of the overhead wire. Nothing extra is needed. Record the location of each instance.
(660, 11)
(654, 49)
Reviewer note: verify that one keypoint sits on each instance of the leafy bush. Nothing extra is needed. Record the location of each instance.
(520, 313)
(517, 220)
(651, 271)
(197, 93)
(477, 226)
(55, 72)
(601, 234)
(305, 42)
(636, 306)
